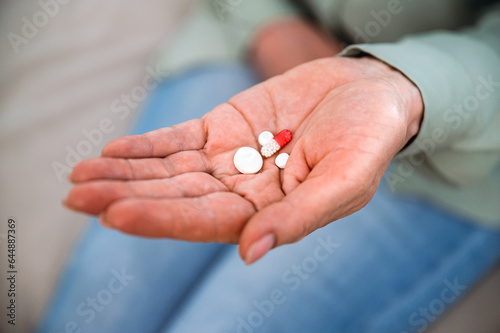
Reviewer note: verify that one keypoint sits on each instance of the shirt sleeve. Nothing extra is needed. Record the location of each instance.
(458, 74)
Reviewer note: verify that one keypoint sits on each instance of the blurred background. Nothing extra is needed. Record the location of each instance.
(72, 77)
(62, 66)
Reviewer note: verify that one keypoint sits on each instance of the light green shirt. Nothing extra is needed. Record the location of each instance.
(455, 159)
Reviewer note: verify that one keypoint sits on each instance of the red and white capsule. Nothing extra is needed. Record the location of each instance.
(276, 143)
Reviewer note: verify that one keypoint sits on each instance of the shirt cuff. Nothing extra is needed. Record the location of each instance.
(453, 72)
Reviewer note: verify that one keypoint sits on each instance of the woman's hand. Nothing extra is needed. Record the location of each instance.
(285, 44)
(348, 116)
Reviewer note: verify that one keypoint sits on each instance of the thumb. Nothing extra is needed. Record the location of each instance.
(311, 205)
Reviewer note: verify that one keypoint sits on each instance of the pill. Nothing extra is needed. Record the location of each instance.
(265, 137)
(276, 143)
(281, 160)
(248, 160)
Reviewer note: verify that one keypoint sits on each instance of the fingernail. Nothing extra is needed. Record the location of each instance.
(259, 248)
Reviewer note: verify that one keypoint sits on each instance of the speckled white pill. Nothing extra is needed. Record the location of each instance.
(281, 160)
(265, 137)
(248, 160)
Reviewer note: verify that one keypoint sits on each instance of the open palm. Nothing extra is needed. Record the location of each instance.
(349, 117)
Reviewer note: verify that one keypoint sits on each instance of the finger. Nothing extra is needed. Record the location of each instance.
(94, 197)
(215, 217)
(296, 169)
(140, 169)
(189, 135)
(314, 203)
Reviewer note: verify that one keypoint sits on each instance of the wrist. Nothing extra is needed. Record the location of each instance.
(414, 105)
(410, 95)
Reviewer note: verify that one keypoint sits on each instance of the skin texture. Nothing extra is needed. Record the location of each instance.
(348, 121)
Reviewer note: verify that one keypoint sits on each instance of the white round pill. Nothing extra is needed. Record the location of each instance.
(265, 137)
(281, 160)
(248, 160)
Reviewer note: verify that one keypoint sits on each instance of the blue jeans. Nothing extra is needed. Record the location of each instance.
(395, 266)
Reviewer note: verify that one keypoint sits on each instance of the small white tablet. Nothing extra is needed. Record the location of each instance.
(248, 160)
(265, 137)
(281, 160)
